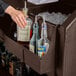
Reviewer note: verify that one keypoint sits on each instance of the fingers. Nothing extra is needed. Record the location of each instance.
(22, 19)
(19, 18)
(19, 23)
(15, 19)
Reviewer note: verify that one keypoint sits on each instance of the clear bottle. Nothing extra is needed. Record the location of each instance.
(43, 43)
(34, 40)
(23, 34)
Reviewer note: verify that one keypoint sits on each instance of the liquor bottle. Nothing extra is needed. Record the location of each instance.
(25, 70)
(12, 65)
(34, 40)
(23, 34)
(3, 54)
(15, 66)
(18, 68)
(4, 57)
(7, 60)
(2, 50)
(2, 47)
(43, 43)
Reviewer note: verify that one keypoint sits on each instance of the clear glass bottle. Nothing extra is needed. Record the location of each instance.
(23, 34)
(34, 40)
(43, 43)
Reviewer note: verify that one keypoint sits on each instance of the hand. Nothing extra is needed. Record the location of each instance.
(17, 16)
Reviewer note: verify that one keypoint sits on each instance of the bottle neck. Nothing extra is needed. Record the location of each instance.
(44, 32)
(25, 11)
(35, 29)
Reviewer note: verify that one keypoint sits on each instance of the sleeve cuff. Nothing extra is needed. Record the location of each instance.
(3, 4)
(1, 11)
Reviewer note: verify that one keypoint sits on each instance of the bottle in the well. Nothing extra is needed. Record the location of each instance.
(43, 43)
(34, 40)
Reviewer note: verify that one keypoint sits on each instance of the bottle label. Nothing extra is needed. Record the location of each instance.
(23, 34)
(32, 48)
(41, 50)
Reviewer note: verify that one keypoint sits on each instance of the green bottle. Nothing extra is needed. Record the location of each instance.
(34, 40)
